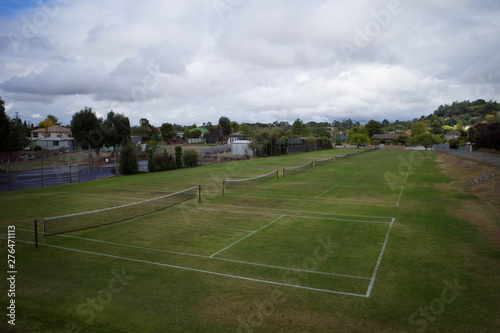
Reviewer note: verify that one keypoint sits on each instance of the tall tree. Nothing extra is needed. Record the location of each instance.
(53, 119)
(45, 123)
(17, 135)
(129, 163)
(299, 129)
(116, 130)
(418, 128)
(225, 123)
(167, 131)
(86, 129)
(235, 126)
(373, 127)
(4, 128)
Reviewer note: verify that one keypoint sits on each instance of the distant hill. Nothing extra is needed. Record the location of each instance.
(469, 112)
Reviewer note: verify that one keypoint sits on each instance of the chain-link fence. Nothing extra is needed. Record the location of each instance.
(52, 168)
(490, 159)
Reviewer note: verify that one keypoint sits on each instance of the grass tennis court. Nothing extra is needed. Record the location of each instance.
(361, 244)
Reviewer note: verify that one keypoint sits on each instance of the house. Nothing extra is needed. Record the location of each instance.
(235, 137)
(52, 138)
(387, 138)
(51, 132)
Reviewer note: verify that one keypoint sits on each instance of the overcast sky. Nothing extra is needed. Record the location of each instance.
(192, 61)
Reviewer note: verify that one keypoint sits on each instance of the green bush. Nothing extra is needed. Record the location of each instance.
(190, 158)
(37, 148)
(129, 164)
(151, 162)
(178, 157)
(454, 143)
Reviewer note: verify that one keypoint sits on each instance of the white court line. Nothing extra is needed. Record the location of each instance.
(409, 166)
(369, 290)
(305, 217)
(400, 193)
(345, 181)
(327, 191)
(279, 209)
(198, 270)
(305, 199)
(205, 257)
(250, 234)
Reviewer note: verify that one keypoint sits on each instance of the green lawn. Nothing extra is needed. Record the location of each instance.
(366, 244)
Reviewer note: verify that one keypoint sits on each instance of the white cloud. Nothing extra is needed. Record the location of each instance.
(179, 61)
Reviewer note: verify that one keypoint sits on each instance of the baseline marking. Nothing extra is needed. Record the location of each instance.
(199, 270)
(207, 257)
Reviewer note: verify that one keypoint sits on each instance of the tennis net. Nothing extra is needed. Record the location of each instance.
(248, 182)
(341, 157)
(297, 170)
(325, 161)
(101, 217)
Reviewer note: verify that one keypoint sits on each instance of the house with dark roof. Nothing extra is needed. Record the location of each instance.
(387, 138)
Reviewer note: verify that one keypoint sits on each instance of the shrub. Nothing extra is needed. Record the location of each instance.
(454, 143)
(178, 157)
(129, 164)
(37, 148)
(190, 158)
(151, 162)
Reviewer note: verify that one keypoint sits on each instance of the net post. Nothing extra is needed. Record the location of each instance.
(277, 174)
(283, 172)
(36, 234)
(199, 193)
(223, 182)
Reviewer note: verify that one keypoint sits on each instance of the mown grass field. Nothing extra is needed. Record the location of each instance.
(367, 244)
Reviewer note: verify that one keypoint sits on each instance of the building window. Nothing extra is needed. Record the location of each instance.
(55, 143)
(35, 135)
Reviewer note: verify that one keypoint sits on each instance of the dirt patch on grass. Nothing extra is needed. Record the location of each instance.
(484, 213)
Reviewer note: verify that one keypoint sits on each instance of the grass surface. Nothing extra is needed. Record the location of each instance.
(365, 244)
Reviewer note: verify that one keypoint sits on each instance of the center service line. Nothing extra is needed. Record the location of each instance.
(250, 234)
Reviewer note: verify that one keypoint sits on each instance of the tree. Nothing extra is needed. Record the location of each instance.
(151, 162)
(129, 163)
(321, 131)
(167, 131)
(373, 127)
(418, 128)
(225, 123)
(147, 131)
(358, 135)
(46, 124)
(426, 140)
(17, 135)
(235, 126)
(4, 128)
(178, 157)
(190, 158)
(299, 129)
(86, 129)
(116, 130)
(486, 135)
(53, 119)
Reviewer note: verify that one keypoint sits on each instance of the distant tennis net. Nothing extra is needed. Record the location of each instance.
(97, 218)
(341, 157)
(297, 170)
(248, 182)
(325, 161)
